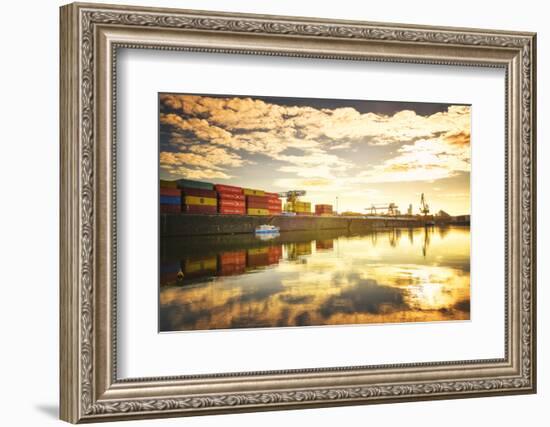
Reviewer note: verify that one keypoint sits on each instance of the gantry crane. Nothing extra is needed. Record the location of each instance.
(424, 207)
(292, 196)
(391, 208)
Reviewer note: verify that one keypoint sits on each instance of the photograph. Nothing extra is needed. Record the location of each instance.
(294, 212)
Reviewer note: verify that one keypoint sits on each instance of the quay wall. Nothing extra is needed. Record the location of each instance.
(196, 225)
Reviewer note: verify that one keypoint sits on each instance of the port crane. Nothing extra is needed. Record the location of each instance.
(424, 207)
(292, 196)
(390, 208)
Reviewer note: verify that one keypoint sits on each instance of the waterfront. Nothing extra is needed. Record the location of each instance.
(311, 278)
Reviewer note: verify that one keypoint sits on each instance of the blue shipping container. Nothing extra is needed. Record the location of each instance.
(170, 200)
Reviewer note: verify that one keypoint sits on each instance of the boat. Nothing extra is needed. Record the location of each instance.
(266, 230)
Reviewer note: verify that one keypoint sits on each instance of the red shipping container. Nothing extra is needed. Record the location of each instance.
(324, 244)
(231, 203)
(259, 199)
(230, 196)
(170, 209)
(232, 211)
(271, 195)
(275, 253)
(228, 189)
(199, 209)
(257, 205)
(257, 260)
(236, 257)
(274, 204)
(198, 192)
(164, 191)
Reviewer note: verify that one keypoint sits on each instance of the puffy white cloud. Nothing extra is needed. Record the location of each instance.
(424, 160)
(430, 147)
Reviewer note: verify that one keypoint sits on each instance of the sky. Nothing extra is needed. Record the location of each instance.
(350, 153)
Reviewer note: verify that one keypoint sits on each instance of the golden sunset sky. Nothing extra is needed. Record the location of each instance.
(362, 152)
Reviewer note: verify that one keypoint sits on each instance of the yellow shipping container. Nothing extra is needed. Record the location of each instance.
(252, 192)
(206, 264)
(257, 251)
(252, 211)
(204, 201)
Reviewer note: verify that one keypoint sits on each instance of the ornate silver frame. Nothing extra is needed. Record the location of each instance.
(90, 36)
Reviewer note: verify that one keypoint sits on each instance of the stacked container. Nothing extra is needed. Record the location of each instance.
(257, 257)
(231, 263)
(274, 254)
(170, 197)
(198, 197)
(321, 245)
(231, 200)
(252, 192)
(257, 205)
(300, 208)
(274, 204)
(199, 266)
(323, 210)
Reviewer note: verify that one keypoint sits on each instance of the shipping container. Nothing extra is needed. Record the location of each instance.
(231, 211)
(231, 203)
(261, 199)
(231, 196)
(323, 209)
(170, 200)
(168, 184)
(197, 267)
(233, 257)
(194, 184)
(170, 267)
(170, 209)
(198, 192)
(202, 201)
(257, 205)
(257, 211)
(252, 192)
(230, 189)
(170, 192)
(324, 244)
(271, 195)
(275, 253)
(257, 257)
(231, 263)
(303, 248)
(199, 209)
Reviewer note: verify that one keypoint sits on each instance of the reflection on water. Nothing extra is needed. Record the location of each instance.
(315, 278)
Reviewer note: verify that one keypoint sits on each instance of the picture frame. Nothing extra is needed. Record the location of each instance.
(91, 35)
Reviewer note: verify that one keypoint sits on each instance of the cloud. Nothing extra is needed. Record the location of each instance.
(424, 160)
(197, 173)
(200, 161)
(428, 147)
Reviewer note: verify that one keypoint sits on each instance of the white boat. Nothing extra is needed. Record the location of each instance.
(266, 229)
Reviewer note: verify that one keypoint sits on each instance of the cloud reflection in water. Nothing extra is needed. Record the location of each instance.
(300, 280)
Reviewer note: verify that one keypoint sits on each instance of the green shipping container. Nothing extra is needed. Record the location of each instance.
(194, 184)
(168, 184)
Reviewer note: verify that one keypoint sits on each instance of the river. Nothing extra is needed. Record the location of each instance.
(315, 278)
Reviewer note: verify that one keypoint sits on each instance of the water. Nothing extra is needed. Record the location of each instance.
(315, 278)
